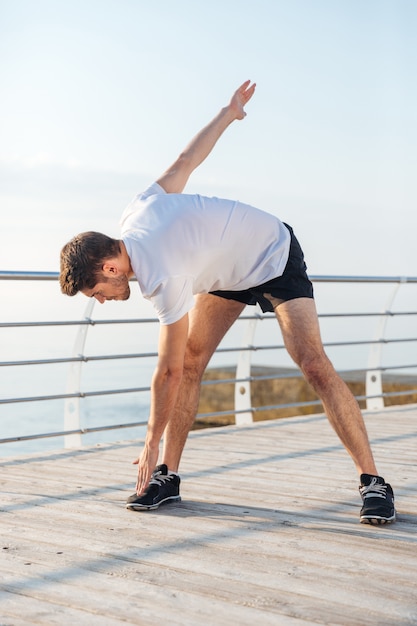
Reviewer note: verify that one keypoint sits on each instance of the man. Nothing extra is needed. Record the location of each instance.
(201, 261)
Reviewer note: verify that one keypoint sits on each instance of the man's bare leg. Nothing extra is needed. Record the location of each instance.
(300, 328)
(210, 319)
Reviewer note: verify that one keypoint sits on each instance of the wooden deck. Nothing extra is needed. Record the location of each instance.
(267, 533)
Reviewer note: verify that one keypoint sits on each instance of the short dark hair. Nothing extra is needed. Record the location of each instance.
(82, 261)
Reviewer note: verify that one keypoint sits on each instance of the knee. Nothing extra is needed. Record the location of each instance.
(317, 370)
(195, 363)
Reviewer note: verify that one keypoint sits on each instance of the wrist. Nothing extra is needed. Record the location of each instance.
(152, 441)
(228, 113)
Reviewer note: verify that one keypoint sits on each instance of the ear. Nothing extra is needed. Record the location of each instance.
(110, 268)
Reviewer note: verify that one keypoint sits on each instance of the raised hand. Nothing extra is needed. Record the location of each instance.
(174, 179)
(240, 98)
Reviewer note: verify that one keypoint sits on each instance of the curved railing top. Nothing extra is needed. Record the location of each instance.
(26, 275)
(21, 275)
(362, 279)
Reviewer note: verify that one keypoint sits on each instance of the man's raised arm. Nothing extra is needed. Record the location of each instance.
(176, 176)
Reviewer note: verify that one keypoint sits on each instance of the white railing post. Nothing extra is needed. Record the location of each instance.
(243, 398)
(72, 405)
(373, 375)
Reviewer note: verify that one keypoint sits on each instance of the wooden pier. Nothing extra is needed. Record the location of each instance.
(267, 533)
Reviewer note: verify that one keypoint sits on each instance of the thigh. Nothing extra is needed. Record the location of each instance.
(210, 319)
(300, 328)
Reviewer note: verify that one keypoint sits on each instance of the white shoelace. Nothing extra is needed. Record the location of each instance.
(160, 479)
(374, 490)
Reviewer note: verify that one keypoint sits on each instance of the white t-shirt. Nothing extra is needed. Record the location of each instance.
(180, 245)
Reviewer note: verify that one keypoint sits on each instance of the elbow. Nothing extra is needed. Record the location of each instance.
(185, 164)
(184, 160)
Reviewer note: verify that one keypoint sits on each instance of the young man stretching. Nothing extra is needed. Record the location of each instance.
(200, 261)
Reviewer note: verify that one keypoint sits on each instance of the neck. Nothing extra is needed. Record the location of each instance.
(126, 260)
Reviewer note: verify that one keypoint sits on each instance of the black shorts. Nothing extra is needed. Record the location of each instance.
(294, 282)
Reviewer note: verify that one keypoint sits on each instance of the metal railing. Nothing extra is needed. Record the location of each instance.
(243, 407)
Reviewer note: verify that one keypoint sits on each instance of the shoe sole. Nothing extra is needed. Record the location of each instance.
(375, 520)
(152, 507)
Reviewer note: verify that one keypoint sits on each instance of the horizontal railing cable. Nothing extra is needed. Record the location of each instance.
(77, 431)
(83, 431)
(145, 355)
(251, 379)
(322, 278)
(150, 320)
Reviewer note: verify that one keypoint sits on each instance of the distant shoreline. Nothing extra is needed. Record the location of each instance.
(287, 386)
(348, 375)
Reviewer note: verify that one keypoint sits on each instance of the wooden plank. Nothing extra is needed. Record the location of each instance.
(267, 532)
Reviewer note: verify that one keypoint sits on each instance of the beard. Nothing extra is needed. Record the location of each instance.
(126, 293)
(121, 287)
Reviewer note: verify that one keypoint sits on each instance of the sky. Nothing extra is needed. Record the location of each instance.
(97, 98)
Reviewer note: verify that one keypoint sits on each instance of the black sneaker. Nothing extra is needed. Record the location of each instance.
(378, 501)
(163, 487)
